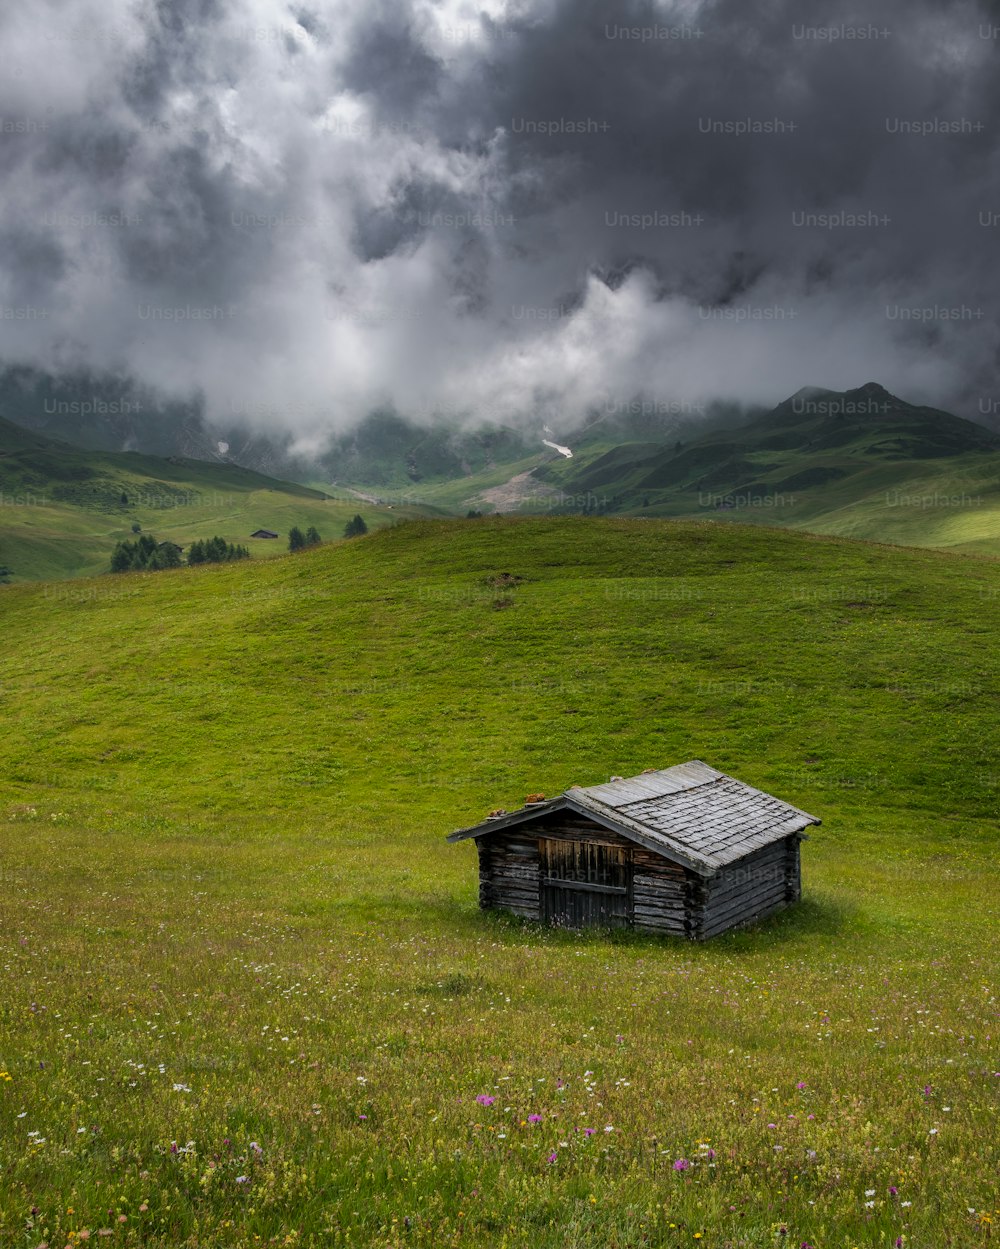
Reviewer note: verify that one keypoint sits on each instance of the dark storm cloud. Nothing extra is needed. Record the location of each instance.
(519, 212)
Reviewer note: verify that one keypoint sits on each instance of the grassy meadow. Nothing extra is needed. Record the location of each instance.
(64, 509)
(248, 997)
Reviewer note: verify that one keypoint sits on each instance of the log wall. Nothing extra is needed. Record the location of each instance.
(751, 888)
(659, 894)
(509, 872)
(663, 897)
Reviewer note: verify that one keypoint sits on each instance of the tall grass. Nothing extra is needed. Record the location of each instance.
(248, 997)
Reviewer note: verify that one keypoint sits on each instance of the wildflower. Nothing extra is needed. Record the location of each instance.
(869, 1192)
(242, 1179)
(893, 1190)
(801, 1084)
(484, 1099)
(589, 1131)
(534, 1118)
(609, 1128)
(682, 1164)
(553, 1157)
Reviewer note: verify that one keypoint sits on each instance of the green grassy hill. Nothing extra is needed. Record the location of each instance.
(249, 997)
(63, 509)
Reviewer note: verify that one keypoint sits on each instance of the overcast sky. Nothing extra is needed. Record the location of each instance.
(505, 210)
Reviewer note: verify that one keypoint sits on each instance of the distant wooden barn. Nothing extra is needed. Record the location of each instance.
(686, 851)
(263, 533)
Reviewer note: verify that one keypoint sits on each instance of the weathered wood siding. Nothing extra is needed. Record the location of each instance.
(660, 891)
(751, 888)
(585, 884)
(510, 871)
(510, 860)
(565, 868)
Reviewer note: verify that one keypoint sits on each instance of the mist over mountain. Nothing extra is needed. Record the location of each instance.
(285, 217)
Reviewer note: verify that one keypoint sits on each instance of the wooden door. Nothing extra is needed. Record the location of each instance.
(585, 885)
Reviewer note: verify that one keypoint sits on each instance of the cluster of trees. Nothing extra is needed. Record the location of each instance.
(215, 551)
(148, 555)
(297, 540)
(145, 554)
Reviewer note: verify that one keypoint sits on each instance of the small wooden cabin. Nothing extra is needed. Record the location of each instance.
(263, 533)
(686, 851)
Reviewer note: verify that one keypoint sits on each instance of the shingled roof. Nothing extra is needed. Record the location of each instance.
(691, 813)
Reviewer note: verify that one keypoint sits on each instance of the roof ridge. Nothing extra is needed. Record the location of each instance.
(685, 823)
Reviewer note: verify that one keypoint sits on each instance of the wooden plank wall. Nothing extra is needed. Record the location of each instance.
(509, 872)
(659, 895)
(751, 888)
(664, 897)
(794, 866)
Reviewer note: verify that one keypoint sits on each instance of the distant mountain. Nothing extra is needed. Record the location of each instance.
(868, 421)
(33, 464)
(837, 461)
(861, 462)
(813, 437)
(103, 413)
(388, 450)
(115, 414)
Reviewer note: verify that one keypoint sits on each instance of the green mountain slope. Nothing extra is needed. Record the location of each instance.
(62, 509)
(247, 990)
(860, 463)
